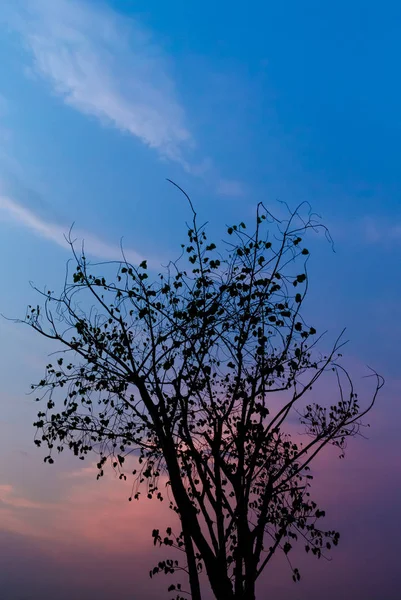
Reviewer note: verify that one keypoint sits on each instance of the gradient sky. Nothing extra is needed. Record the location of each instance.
(237, 102)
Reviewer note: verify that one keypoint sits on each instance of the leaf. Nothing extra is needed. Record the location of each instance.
(287, 547)
(155, 536)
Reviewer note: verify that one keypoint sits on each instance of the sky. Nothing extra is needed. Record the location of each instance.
(238, 103)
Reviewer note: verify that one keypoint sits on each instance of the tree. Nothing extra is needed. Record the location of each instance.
(197, 372)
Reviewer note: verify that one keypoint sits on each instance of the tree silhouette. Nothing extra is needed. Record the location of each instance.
(199, 372)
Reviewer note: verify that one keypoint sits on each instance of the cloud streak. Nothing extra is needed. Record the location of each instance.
(110, 67)
(105, 65)
(230, 188)
(94, 246)
(378, 230)
(10, 499)
(91, 512)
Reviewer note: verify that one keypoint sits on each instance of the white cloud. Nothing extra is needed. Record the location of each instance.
(105, 65)
(16, 213)
(230, 187)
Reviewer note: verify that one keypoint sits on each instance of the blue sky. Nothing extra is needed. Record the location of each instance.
(238, 103)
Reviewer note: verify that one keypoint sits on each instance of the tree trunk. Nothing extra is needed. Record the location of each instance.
(219, 582)
(192, 570)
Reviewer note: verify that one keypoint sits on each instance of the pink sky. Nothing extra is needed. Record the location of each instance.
(90, 536)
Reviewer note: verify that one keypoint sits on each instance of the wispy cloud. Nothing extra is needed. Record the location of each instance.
(105, 65)
(14, 212)
(89, 511)
(231, 188)
(110, 67)
(8, 497)
(377, 230)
